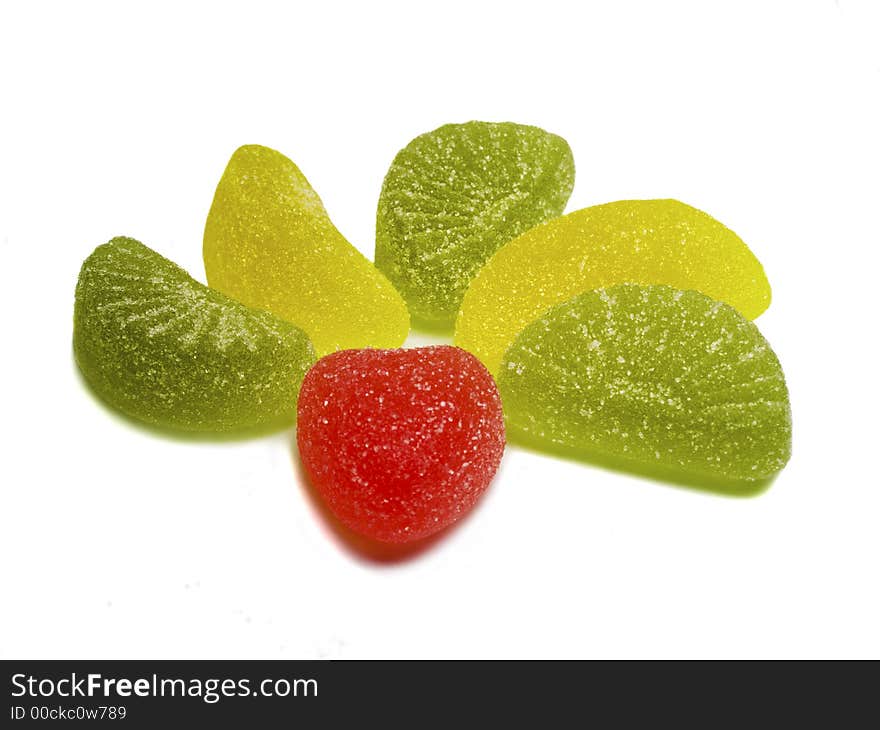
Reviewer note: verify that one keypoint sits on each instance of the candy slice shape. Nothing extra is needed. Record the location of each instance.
(270, 244)
(400, 443)
(453, 197)
(167, 350)
(638, 241)
(652, 375)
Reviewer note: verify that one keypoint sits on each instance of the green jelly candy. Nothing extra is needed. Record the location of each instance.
(651, 374)
(454, 196)
(165, 349)
(270, 244)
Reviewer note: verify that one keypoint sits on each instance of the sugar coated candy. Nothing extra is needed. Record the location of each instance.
(270, 244)
(453, 196)
(639, 241)
(400, 443)
(654, 375)
(165, 349)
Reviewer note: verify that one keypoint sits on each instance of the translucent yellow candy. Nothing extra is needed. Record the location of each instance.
(637, 241)
(270, 244)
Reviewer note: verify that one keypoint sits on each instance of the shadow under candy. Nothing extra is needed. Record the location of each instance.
(365, 548)
(443, 330)
(657, 473)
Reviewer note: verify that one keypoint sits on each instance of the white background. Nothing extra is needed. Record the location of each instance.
(119, 543)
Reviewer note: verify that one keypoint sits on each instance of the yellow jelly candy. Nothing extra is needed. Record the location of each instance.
(630, 241)
(270, 244)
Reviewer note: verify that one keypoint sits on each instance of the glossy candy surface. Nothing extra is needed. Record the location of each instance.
(400, 443)
(167, 350)
(654, 375)
(640, 241)
(454, 196)
(270, 244)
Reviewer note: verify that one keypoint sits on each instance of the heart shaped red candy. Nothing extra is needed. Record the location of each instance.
(400, 443)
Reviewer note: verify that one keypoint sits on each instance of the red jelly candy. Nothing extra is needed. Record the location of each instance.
(400, 443)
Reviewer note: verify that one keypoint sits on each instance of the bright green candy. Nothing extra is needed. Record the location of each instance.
(165, 349)
(454, 196)
(651, 374)
(270, 244)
